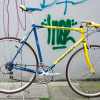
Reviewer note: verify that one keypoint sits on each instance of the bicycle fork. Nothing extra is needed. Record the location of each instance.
(87, 58)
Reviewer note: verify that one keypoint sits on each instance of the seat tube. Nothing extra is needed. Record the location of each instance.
(37, 44)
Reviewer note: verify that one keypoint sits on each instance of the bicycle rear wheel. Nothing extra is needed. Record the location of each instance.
(78, 76)
(24, 68)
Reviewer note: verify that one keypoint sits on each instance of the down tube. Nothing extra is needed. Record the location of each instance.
(68, 51)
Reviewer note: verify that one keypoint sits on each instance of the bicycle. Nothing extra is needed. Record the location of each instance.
(83, 81)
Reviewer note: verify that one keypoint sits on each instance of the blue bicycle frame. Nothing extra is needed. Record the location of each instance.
(13, 66)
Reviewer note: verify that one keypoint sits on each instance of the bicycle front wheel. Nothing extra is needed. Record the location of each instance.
(23, 72)
(78, 76)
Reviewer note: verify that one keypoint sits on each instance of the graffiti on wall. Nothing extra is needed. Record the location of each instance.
(45, 4)
(20, 18)
(59, 38)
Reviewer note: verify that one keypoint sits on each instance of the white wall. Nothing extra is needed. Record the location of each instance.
(13, 21)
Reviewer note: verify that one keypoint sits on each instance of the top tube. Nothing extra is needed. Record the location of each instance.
(81, 30)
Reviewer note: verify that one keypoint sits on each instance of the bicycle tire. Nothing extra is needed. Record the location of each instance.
(78, 77)
(11, 82)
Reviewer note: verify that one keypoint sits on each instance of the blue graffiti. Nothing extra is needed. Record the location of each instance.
(45, 5)
(74, 2)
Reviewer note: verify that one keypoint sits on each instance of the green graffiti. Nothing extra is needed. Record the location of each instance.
(56, 37)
